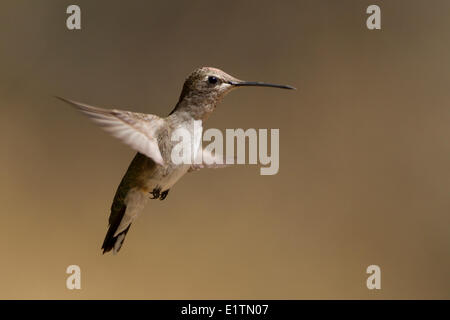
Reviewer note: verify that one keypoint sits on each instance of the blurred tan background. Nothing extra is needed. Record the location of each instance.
(364, 150)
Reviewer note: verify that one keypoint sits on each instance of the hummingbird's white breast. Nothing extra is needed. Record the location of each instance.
(174, 172)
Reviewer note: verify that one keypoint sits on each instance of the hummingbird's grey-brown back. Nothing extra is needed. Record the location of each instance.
(152, 172)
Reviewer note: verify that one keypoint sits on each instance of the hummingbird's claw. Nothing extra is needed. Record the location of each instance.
(155, 193)
(164, 194)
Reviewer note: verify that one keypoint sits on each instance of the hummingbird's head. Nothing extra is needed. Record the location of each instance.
(208, 83)
(206, 86)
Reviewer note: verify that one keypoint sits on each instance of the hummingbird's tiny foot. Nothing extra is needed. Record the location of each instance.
(164, 194)
(155, 193)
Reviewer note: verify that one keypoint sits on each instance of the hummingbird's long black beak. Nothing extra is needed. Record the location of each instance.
(260, 84)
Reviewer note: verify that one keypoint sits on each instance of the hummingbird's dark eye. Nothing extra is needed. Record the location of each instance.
(212, 80)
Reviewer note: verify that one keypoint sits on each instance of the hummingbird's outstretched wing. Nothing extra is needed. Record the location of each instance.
(138, 130)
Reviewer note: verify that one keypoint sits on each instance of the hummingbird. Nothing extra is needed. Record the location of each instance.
(151, 174)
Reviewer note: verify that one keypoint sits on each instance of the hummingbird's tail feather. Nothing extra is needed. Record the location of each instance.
(113, 240)
(125, 208)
